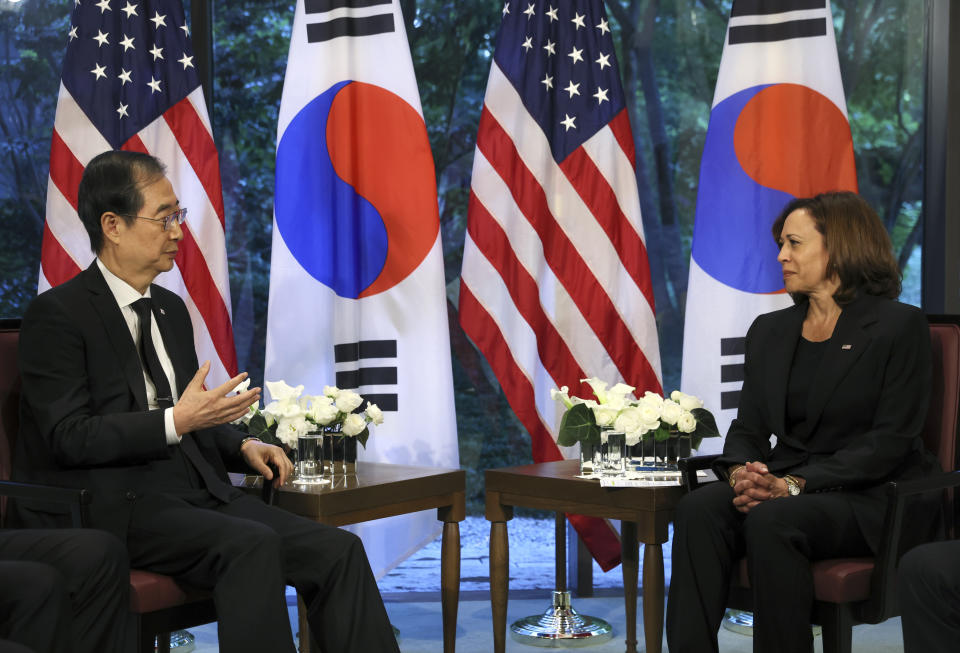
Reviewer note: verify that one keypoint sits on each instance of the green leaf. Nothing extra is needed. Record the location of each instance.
(706, 424)
(362, 436)
(578, 425)
(661, 434)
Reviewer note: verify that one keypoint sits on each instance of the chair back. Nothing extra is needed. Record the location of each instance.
(940, 431)
(9, 398)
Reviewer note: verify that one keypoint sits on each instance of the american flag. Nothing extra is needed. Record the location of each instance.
(130, 82)
(556, 284)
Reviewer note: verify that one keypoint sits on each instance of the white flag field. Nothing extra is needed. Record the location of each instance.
(357, 294)
(778, 130)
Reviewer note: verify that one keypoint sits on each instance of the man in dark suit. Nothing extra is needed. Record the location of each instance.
(113, 401)
(928, 587)
(62, 591)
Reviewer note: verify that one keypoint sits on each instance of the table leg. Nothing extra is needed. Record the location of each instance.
(629, 562)
(304, 625)
(653, 596)
(499, 563)
(450, 583)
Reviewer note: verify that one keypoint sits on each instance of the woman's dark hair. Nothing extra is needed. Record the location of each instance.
(112, 182)
(858, 247)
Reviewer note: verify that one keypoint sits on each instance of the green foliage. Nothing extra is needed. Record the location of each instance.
(669, 54)
(578, 425)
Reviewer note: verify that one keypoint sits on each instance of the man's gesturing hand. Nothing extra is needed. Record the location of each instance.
(199, 408)
(259, 454)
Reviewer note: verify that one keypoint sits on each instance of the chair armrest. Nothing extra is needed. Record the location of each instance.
(76, 500)
(690, 466)
(896, 489)
(883, 591)
(267, 492)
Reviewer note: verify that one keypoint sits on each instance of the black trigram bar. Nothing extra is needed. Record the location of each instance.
(728, 373)
(766, 7)
(793, 29)
(320, 6)
(385, 402)
(367, 376)
(365, 26)
(349, 352)
(732, 346)
(729, 399)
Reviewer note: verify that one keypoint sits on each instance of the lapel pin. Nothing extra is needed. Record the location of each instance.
(163, 312)
(846, 347)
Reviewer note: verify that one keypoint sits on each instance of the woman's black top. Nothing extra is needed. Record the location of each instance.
(803, 369)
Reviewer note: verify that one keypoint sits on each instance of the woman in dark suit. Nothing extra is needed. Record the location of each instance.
(842, 380)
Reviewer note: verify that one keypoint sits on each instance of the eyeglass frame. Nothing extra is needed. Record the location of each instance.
(180, 215)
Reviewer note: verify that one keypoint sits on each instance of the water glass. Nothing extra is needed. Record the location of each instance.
(589, 458)
(310, 458)
(613, 452)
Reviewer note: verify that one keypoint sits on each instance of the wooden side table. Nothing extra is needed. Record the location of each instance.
(381, 490)
(644, 514)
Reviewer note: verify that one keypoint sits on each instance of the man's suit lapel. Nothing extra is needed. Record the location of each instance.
(777, 358)
(105, 304)
(850, 339)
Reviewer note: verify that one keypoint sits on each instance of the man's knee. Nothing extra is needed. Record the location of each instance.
(920, 575)
(99, 552)
(31, 583)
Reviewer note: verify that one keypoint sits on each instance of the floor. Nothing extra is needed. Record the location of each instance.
(420, 631)
(411, 594)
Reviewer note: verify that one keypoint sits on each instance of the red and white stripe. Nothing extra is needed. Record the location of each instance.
(182, 139)
(555, 283)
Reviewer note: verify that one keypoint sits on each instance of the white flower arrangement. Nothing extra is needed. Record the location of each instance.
(650, 416)
(291, 414)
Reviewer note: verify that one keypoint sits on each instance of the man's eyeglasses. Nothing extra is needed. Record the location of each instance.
(178, 216)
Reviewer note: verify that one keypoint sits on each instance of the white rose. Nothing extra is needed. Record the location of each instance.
(633, 438)
(689, 402)
(323, 413)
(289, 428)
(347, 400)
(605, 415)
(280, 391)
(331, 391)
(671, 412)
(374, 413)
(652, 398)
(687, 423)
(628, 420)
(649, 414)
(354, 425)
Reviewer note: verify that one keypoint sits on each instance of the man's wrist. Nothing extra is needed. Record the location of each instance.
(249, 438)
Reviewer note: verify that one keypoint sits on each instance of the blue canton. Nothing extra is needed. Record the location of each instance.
(559, 56)
(127, 63)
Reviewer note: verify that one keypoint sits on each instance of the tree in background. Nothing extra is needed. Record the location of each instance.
(669, 52)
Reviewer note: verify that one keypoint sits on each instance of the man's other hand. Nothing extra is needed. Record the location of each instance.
(199, 409)
(259, 455)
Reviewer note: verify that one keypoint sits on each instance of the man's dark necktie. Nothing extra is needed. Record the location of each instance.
(148, 353)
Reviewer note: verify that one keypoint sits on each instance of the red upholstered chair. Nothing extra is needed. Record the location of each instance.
(158, 604)
(851, 591)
